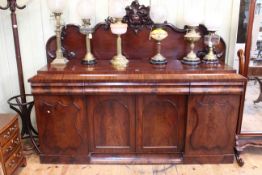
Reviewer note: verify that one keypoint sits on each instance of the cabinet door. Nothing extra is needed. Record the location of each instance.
(62, 125)
(161, 123)
(113, 123)
(212, 121)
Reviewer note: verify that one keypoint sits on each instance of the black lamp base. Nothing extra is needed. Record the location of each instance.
(158, 62)
(210, 61)
(88, 62)
(191, 62)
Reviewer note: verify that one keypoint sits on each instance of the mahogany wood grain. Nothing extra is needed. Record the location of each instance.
(211, 126)
(113, 123)
(64, 131)
(140, 114)
(160, 124)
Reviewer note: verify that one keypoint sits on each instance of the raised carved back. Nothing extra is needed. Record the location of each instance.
(135, 45)
(136, 42)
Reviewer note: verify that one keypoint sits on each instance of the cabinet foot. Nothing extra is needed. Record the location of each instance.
(239, 160)
(24, 163)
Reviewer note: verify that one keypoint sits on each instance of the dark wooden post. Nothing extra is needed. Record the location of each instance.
(12, 5)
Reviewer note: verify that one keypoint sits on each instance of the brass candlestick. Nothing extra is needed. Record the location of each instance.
(119, 28)
(211, 40)
(60, 59)
(158, 35)
(89, 58)
(192, 37)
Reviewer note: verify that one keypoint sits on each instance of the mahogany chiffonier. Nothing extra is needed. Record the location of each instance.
(141, 114)
(11, 152)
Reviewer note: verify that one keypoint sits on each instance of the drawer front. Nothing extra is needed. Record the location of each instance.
(9, 133)
(11, 146)
(14, 161)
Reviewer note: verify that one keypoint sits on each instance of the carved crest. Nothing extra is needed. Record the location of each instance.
(137, 16)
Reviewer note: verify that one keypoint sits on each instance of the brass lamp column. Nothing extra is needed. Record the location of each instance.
(158, 13)
(119, 28)
(211, 40)
(60, 59)
(117, 12)
(89, 58)
(158, 35)
(192, 37)
(57, 7)
(86, 12)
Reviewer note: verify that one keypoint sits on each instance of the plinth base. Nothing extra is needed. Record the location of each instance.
(210, 61)
(88, 62)
(193, 62)
(158, 60)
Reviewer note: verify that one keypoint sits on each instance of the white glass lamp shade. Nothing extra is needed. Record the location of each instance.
(213, 23)
(158, 13)
(192, 19)
(22, 2)
(118, 28)
(57, 6)
(3, 3)
(117, 8)
(86, 9)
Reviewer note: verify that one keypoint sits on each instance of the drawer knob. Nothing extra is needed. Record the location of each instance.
(16, 141)
(9, 149)
(12, 129)
(7, 135)
(12, 163)
(48, 112)
(18, 155)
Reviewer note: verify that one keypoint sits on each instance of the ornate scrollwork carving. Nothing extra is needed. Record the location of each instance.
(137, 16)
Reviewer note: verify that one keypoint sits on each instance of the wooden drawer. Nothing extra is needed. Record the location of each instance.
(11, 146)
(9, 133)
(14, 161)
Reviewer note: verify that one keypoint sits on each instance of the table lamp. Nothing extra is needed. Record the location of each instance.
(57, 8)
(212, 39)
(117, 12)
(192, 36)
(86, 9)
(158, 14)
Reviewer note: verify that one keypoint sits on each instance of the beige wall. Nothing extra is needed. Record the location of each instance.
(36, 26)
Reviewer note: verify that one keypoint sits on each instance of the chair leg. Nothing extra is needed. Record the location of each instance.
(259, 99)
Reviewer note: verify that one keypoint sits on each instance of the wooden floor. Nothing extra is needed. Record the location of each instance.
(252, 157)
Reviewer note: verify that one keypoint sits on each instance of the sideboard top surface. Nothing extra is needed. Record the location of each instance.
(136, 67)
(137, 70)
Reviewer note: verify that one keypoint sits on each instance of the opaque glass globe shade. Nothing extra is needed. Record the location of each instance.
(57, 6)
(118, 28)
(3, 3)
(22, 2)
(213, 22)
(117, 8)
(86, 9)
(158, 13)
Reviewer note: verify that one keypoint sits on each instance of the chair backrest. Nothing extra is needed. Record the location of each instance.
(241, 56)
